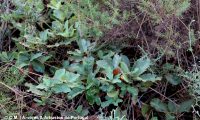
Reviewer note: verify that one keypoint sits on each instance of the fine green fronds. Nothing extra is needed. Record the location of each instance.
(10, 76)
(194, 77)
(159, 10)
(194, 89)
(7, 106)
(166, 17)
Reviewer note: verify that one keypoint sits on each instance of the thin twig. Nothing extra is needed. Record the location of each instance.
(162, 95)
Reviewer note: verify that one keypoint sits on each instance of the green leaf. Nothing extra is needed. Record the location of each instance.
(116, 60)
(158, 105)
(88, 64)
(124, 67)
(148, 77)
(125, 60)
(38, 66)
(145, 110)
(79, 109)
(154, 118)
(83, 45)
(102, 64)
(43, 58)
(113, 94)
(65, 64)
(59, 15)
(69, 31)
(44, 35)
(59, 74)
(67, 34)
(106, 103)
(23, 57)
(21, 65)
(172, 107)
(33, 89)
(40, 102)
(114, 101)
(117, 101)
(4, 56)
(116, 80)
(144, 86)
(141, 65)
(76, 54)
(7, 56)
(57, 26)
(185, 106)
(62, 75)
(168, 67)
(76, 67)
(109, 72)
(55, 4)
(66, 26)
(47, 82)
(134, 91)
(106, 66)
(42, 86)
(74, 92)
(105, 55)
(35, 56)
(125, 78)
(173, 79)
(100, 54)
(71, 77)
(61, 88)
(91, 95)
(170, 117)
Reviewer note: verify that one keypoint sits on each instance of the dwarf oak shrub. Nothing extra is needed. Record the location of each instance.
(81, 76)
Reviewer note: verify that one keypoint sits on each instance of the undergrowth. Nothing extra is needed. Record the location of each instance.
(68, 58)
